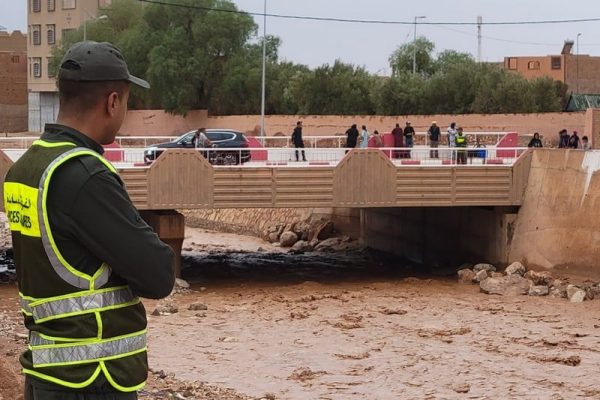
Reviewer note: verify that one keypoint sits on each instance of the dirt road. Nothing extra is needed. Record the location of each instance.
(325, 329)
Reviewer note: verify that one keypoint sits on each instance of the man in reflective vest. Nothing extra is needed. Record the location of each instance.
(82, 252)
(461, 145)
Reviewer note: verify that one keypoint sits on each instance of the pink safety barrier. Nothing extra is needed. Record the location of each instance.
(510, 140)
(114, 155)
(256, 155)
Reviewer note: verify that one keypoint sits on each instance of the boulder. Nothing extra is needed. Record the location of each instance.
(506, 286)
(301, 229)
(543, 278)
(516, 268)
(289, 227)
(320, 229)
(558, 291)
(480, 276)
(466, 276)
(539, 290)
(575, 294)
(301, 246)
(273, 237)
(332, 244)
(313, 243)
(288, 239)
(180, 283)
(484, 267)
(198, 307)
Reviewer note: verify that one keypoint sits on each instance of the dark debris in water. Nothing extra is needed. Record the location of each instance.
(313, 266)
(7, 266)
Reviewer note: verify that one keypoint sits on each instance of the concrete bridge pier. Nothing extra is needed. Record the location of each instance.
(441, 236)
(169, 225)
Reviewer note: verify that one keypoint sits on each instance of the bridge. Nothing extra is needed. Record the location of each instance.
(362, 178)
(383, 180)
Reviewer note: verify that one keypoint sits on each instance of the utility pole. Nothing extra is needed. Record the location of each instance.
(577, 62)
(415, 44)
(264, 72)
(479, 49)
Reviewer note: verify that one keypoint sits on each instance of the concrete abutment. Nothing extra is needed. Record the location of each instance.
(169, 225)
(441, 236)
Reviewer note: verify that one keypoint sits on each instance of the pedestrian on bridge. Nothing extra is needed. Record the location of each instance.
(351, 137)
(398, 135)
(460, 142)
(298, 141)
(434, 139)
(83, 253)
(364, 138)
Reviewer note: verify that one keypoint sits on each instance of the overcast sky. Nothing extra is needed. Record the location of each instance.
(315, 43)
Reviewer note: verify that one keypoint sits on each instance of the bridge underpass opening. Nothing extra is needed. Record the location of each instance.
(441, 236)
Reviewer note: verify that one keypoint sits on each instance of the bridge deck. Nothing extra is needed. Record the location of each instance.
(183, 179)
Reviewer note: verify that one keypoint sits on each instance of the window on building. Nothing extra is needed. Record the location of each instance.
(37, 67)
(51, 73)
(69, 4)
(533, 65)
(15, 59)
(512, 63)
(36, 5)
(65, 33)
(36, 38)
(556, 63)
(51, 33)
(51, 5)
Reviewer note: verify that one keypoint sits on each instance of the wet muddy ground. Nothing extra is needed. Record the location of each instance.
(326, 326)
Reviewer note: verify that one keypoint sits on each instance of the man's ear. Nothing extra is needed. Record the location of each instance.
(112, 103)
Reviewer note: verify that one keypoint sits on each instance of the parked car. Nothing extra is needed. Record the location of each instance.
(220, 138)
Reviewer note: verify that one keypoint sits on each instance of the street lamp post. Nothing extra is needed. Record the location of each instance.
(99, 18)
(577, 62)
(264, 72)
(415, 44)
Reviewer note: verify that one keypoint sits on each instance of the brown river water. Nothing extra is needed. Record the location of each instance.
(358, 327)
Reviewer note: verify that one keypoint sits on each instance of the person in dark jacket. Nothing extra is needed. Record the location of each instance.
(434, 139)
(563, 139)
(82, 267)
(351, 137)
(574, 141)
(535, 141)
(298, 141)
(398, 135)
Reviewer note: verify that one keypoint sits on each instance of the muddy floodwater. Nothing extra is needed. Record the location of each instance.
(359, 326)
(328, 327)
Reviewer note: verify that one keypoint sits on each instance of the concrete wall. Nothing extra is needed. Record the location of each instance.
(157, 122)
(254, 221)
(441, 236)
(559, 222)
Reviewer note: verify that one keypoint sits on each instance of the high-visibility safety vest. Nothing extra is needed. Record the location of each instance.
(461, 141)
(80, 325)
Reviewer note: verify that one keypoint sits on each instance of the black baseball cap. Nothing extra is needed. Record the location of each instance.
(93, 61)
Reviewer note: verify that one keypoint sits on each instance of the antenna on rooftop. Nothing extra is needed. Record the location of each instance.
(479, 23)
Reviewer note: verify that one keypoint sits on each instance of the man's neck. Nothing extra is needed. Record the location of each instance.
(82, 124)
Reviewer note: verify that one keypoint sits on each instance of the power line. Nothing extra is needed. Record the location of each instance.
(367, 21)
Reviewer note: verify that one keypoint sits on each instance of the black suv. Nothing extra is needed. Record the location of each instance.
(220, 138)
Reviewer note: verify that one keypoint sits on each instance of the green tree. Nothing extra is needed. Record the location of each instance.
(338, 89)
(401, 60)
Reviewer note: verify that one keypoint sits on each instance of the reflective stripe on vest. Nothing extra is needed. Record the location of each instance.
(51, 353)
(60, 265)
(79, 303)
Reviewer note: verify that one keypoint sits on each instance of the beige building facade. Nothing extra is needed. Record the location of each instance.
(48, 22)
(581, 72)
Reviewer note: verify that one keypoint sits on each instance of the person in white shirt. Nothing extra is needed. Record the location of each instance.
(452, 135)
